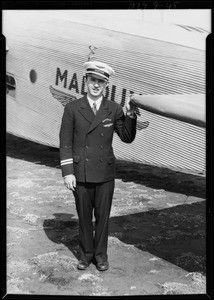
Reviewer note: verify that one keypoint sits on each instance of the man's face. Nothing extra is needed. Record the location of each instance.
(95, 86)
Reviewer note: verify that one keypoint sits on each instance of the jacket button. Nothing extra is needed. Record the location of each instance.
(86, 147)
(86, 159)
(101, 160)
(101, 146)
(102, 134)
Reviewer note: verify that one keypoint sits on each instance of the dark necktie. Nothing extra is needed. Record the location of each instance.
(94, 108)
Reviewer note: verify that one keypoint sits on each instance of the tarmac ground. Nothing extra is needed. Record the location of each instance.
(157, 231)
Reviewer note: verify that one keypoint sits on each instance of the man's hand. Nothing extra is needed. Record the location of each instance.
(70, 182)
(130, 108)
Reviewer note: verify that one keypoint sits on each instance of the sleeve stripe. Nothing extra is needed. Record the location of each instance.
(66, 161)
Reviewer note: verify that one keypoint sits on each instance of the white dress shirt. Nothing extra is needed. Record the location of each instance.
(98, 102)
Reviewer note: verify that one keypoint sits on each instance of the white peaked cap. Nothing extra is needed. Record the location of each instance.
(98, 68)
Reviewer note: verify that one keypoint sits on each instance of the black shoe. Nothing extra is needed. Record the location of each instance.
(82, 265)
(102, 266)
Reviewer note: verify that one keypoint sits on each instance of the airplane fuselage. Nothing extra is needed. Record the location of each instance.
(44, 67)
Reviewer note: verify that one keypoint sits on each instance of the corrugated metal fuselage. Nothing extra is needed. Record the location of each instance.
(45, 58)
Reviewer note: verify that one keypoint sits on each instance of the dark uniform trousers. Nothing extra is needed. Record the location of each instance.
(97, 197)
(86, 151)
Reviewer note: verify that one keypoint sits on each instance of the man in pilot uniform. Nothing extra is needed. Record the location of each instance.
(88, 162)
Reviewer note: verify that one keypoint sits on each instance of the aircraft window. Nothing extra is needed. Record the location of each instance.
(10, 86)
(33, 76)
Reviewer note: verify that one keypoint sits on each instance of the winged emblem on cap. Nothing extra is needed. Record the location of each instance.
(62, 97)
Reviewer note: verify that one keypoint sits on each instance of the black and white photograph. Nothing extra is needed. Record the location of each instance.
(106, 151)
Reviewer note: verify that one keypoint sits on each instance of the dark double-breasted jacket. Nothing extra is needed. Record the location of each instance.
(86, 140)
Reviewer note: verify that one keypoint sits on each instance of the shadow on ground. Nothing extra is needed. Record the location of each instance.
(150, 176)
(63, 230)
(177, 235)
